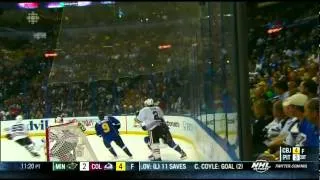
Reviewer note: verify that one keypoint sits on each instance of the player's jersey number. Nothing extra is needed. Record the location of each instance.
(17, 128)
(105, 127)
(155, 115)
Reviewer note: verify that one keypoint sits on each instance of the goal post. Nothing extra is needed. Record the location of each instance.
(67, 142)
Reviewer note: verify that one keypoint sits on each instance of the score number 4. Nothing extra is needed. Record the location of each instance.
(120, 166)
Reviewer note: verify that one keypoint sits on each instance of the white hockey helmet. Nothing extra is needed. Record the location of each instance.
(19, 118)
(148, 102)
(59, 119)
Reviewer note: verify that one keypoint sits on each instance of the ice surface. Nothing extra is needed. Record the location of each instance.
(11, 151)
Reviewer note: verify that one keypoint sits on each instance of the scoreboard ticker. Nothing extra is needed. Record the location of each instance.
(259, 166)
(293, 154)
(294, 163)
(291, 158)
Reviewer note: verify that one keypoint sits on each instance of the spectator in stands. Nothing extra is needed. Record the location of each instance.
(301, 131)
(292, 88)
(277, 141)
(281, 89)
(260, 91)
(312, 111)
(309, 88)
(274, 128)
(177, 106)
(39, 114)
(260, 108)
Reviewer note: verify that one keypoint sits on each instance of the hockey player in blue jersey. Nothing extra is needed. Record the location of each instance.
(107, 128)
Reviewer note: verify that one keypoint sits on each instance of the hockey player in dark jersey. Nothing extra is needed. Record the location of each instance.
(107, 128)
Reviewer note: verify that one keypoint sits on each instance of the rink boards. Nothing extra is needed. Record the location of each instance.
(183, 128)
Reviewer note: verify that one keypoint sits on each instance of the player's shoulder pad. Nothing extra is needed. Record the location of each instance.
(113, 118)
(103, 121)
(98, 122)
(144, 109)
(157, 107)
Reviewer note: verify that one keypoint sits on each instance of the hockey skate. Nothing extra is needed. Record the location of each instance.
(183, 155)
(130, 158)
(152, 158)
(35, 154)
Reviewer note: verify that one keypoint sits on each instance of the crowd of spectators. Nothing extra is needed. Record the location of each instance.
(128, 68)
(34, 92)
(113, 62)
(285, 91)
(116, 57)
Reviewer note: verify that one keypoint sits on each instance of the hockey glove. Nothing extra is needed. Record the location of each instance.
(9, 136)
(116, 125)
(136, 124)
(137, 120)
(81, 126)
(144, 128)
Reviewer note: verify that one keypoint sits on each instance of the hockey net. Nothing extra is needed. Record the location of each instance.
(66, 142)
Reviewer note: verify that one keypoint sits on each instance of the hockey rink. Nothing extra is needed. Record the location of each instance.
(11, 151)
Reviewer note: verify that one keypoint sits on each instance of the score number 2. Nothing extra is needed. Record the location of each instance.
(84, 166)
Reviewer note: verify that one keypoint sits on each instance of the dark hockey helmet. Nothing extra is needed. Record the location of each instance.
(101, 115)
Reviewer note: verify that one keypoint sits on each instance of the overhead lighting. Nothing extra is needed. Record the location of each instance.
(50, 54)
(55, 5)
(107, 2)
(71, 3)
(167, 46)
(274, 30)
(28, 5)
(84, 3)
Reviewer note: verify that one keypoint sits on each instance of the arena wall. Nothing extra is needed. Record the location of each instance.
(181, 127)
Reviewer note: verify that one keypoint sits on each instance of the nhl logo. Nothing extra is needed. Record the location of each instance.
(260, 166)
